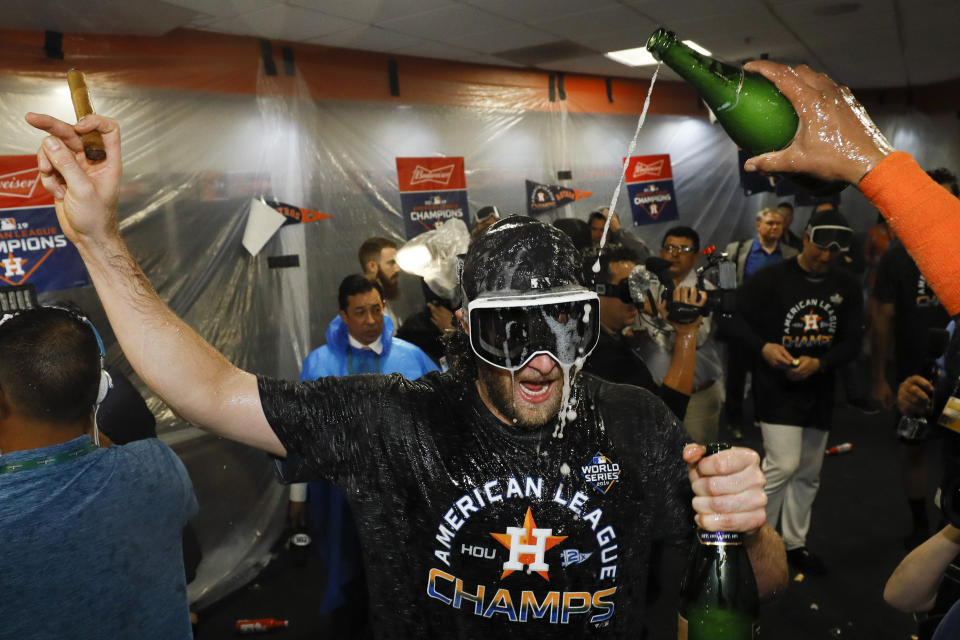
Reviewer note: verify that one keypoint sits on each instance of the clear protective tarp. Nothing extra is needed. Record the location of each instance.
(194, 160)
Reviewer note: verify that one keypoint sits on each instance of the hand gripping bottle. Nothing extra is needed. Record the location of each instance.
(750, 108)
(718, 596)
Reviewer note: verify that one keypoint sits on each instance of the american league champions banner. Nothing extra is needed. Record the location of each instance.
(650, 185)
(432, 191)
(33, 249)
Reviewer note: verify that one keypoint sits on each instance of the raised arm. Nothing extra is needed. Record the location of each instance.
(679, 376)
(192, 377)
(836, 140)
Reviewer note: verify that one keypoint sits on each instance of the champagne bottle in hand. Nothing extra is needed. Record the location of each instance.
(718, 597)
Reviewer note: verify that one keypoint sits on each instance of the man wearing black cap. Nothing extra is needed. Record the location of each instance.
(802, 317)
(510, 497)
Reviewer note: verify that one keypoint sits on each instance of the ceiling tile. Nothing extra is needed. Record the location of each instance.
(738, 25)
(532, 10)
(219, 8)
(615, 40)
(440, 51)
(501, 40)
(430, 49)
(282, 22)
(590, 23)
(372, 11)
(95, 16)
(459, 19)
(665, 13)
(806, 15)
(367, 39)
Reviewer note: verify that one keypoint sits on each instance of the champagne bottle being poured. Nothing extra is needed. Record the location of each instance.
(750, 108)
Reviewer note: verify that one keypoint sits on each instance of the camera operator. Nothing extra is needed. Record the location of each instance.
(680, 248)
(802, 317)
(612, 358)
(927, 581)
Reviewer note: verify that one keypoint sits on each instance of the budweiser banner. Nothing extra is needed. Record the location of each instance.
(33, 249)
(432, 191)
(544, 197)
(650, 186)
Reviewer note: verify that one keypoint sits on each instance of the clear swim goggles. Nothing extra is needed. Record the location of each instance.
(831, 236)
(508, 331)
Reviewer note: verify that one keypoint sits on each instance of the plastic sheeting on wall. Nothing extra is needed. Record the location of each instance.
(193, 161)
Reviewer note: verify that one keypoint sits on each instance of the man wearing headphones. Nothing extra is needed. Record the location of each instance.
(91, 537)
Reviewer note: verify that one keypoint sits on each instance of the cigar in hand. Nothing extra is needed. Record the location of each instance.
(92, 142)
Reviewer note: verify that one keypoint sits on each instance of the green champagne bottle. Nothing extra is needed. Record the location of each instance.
(718, 596)
(749, 107)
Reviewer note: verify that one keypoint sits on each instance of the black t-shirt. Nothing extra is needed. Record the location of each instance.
(612, 359)
(916, 308)
(446, 497)
(819, 317)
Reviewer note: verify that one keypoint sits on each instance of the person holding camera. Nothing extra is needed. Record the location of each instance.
(927, 581)
(613, 358)
(657, 339)
(802, 319)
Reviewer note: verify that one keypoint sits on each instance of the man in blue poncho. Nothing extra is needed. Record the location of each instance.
(359, 340)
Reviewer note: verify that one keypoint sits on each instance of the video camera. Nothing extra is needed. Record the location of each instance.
(651, 282)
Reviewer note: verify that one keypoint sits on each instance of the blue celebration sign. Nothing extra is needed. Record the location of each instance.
(432, 191)
(423, 210)
(650, 186)
(33, 249)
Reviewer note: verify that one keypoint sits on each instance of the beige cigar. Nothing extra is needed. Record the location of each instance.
(92, 142)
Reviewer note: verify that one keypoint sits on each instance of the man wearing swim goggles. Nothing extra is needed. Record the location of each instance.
(802, 319)
(828, 236)
(529, 319)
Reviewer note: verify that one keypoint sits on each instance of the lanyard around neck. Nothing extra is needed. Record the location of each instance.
(350, 360)
(48, 461)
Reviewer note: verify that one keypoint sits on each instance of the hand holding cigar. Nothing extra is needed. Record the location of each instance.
(92, 142)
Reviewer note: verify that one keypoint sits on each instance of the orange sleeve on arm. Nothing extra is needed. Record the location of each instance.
(926, 218)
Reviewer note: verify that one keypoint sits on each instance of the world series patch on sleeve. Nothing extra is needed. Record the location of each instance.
(33, 249)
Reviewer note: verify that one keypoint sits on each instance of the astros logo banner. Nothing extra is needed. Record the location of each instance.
(33, 249)
(432, 191)
(650, 185)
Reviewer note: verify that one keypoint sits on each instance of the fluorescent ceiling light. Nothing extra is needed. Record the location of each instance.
(640, 57)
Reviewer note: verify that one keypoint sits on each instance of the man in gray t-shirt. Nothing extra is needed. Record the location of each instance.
(91, 537)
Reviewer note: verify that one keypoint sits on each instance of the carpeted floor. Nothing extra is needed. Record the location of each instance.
(860, 519)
